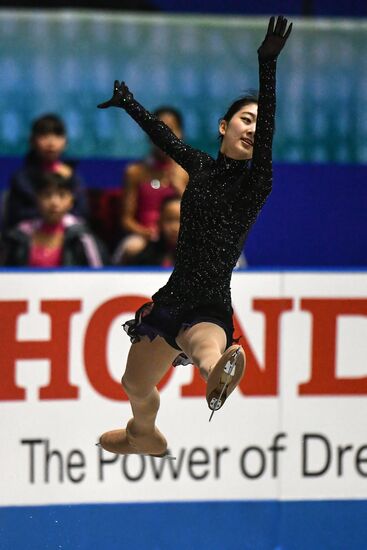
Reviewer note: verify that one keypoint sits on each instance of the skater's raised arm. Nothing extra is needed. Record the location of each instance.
(160, 134)
(274, 41)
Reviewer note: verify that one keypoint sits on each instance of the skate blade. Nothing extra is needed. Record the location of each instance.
(217, 403)
(228, 371)
(166, 455)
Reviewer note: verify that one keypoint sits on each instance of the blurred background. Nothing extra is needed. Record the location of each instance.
(198, 57)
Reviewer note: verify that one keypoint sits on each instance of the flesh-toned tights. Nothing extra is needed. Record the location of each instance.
(148, 362)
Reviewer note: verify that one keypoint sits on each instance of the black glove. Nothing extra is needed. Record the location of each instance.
(275, 39)
(120, 95)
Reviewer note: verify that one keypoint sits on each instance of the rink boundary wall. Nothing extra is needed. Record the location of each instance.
(314, 217)
(324, 520)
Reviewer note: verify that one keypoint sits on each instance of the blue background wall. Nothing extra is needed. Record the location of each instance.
(315, 216)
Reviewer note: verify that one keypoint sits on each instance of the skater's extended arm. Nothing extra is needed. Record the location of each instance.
(274, 41)
(160, 134)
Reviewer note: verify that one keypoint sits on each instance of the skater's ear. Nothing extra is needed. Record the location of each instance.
(223, 127)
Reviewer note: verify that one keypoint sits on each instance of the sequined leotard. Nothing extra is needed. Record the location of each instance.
(221, 202)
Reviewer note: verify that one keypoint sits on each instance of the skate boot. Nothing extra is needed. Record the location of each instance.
(224, 377)
(124, 442)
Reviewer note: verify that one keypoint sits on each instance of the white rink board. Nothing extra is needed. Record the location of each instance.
(48, 453)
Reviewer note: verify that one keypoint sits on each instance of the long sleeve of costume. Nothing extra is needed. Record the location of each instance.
(163, 137)
(220, 204)
(261, 170)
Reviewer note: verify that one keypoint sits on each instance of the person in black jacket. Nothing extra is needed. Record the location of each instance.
(48, 141)
(192, 313)
(55, 237)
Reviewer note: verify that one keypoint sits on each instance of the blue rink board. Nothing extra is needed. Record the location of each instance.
(240, 525)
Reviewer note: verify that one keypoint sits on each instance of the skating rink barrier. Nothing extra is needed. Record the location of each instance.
(283, 466)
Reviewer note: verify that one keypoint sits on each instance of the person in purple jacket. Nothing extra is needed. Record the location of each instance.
(55, 238)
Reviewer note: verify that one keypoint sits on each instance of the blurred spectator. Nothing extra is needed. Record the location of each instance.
(56, 237)
(147, 184)
(162, 251)
(47, 143)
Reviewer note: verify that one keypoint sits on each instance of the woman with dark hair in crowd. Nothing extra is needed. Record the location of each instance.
(146, 185)
(48, 141)
(192, 313)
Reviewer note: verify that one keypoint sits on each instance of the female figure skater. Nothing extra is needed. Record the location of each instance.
(192, 313)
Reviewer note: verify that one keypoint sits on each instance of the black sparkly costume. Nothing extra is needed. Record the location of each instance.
(220, 203)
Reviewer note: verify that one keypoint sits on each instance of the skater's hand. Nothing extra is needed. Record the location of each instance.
(120, 95)
(275, 38)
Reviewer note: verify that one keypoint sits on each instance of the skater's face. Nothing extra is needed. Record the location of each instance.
(170, 222)
(239, 132)
(53, 203)
(49, 147)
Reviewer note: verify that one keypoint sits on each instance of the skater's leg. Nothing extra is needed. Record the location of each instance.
(203, 343)
(147, 363)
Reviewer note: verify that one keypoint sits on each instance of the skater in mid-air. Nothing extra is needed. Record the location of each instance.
(192, 314)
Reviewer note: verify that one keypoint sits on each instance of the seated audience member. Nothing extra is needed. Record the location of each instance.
(56, 237)
(162, 251)
(146, 185)
(47, 143)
